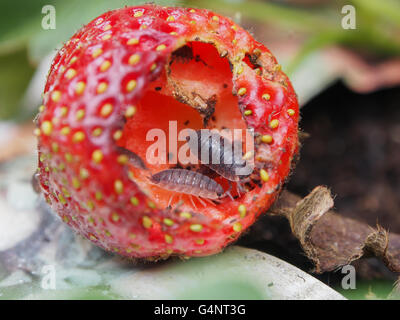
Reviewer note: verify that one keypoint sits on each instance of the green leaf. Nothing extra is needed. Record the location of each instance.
(369, 290)
(264, 11)
(388, 10)
(225, 289)
(19, 20)
(237, 273)
(14, 78)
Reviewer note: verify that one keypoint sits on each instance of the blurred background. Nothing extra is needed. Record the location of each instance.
(345, 71)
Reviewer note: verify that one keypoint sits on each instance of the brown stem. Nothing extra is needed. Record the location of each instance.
(331, 240)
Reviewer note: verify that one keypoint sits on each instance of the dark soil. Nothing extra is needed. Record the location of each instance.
(354, 149)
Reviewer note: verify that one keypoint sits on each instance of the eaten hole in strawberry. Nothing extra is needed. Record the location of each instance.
(251, 61)
(195, 92)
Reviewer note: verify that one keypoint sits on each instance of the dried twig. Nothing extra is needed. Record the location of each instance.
(331, 240)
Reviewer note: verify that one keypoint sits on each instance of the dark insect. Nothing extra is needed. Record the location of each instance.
(221, 156)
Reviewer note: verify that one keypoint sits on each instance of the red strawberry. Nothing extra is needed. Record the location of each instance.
(132, 70)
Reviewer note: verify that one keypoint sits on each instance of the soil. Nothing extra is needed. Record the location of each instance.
(354, 149)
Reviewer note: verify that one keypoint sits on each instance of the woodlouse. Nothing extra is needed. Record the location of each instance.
(222, 157)
(189, 182)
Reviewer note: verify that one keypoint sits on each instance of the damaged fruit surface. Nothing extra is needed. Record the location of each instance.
(136, 69)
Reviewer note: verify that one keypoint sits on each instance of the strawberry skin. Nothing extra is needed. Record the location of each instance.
(94, 99)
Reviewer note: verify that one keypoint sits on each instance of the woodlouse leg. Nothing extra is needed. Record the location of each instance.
(251, 183)
(238, 188)
(170, 201)
(201, 201)
(179, 203)
(191, 199)
(210, 201)
(229, 195)
(228, 192)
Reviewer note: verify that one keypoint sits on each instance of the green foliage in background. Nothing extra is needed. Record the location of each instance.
(14, 77)
(377, 31)
(23, 42)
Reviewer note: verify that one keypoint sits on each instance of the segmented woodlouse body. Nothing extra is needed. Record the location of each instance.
(189, 182)
(222, 156)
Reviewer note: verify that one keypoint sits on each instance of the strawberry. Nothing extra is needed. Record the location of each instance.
(134, 69)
